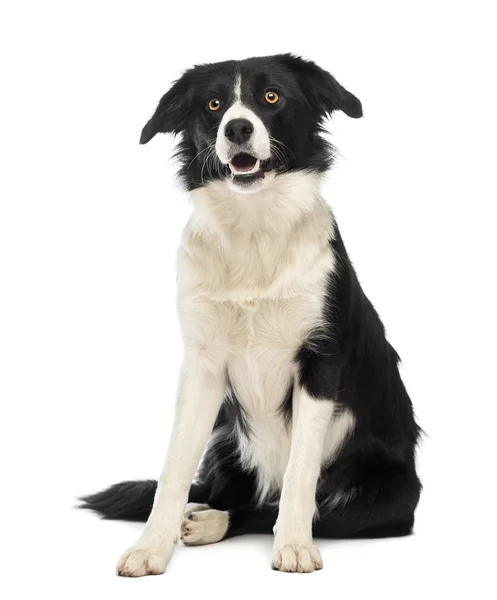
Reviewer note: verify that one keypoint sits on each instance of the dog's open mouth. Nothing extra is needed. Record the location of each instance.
(244, 164)
(246, 169)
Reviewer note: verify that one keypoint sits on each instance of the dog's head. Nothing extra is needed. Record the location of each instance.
(247, 121)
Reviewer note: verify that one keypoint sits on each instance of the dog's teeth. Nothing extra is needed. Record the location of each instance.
(251, 172)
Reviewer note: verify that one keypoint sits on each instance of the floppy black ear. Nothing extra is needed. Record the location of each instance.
(322, 89)
(171, 113)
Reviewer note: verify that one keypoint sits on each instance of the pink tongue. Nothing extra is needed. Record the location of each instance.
(243, 162)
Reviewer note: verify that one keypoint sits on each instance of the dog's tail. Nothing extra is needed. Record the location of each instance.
(127, 501)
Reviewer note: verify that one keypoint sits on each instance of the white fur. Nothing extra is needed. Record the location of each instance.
(206, 526)
(192, 507)
(252, 273)
(237, 90)
(312, 420)
(296, 558)
(251, 286)
(260, 145)
(202, 377)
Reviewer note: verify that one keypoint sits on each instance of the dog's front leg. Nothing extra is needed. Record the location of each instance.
(200, 394)
(293, 548)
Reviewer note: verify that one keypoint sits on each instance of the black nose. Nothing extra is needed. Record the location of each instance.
(238, 131)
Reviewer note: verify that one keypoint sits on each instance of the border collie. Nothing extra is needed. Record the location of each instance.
(290, 397)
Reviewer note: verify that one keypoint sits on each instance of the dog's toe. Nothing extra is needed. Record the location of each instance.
(204, 527)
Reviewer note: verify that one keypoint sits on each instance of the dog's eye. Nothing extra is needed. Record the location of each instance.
(271, 97)
(214, 104)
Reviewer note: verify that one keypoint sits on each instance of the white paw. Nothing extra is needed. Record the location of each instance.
(193, 507)
(296, 557)
(148, 560)
(204, 527)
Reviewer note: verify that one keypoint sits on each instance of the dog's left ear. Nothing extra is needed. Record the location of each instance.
(171, 113)
(321, 89)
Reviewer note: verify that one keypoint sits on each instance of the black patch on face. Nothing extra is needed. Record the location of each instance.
(307, 94)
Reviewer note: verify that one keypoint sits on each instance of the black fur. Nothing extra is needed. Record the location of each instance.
(372, 489)
(308, 94)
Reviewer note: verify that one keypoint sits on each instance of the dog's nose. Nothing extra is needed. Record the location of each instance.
(238, 131)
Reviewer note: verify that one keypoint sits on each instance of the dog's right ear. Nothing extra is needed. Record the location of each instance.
(171, 113)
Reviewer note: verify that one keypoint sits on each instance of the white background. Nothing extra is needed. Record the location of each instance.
(89, 223)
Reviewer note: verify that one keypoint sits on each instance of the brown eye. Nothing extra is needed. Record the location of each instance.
(214, 104)
(271, 97)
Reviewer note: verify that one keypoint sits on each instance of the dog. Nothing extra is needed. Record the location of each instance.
(290, 397)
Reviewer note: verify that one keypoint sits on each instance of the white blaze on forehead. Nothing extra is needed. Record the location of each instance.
(258, 145)
(237, 92)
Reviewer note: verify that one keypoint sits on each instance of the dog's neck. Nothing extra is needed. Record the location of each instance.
(270, 244)
(275, 210)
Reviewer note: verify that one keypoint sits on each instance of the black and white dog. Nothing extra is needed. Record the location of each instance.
(289, 386)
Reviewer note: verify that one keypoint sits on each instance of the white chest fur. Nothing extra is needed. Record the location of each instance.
(261, 371)
(252, 279)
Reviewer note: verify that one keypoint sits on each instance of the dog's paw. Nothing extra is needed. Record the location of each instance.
(192, 507)
(206, 526)
(296, 558)
(139, 561)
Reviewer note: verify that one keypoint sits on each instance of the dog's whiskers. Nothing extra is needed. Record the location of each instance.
(210, 156)
(196, 156)
(280, 143)
(278, 153)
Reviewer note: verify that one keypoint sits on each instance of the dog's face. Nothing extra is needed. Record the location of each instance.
(246, 122)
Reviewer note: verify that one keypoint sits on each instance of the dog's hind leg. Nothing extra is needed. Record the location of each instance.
(199, 493)
(382, 506)
(197, 499)
(203, 525)
(251, 518)
(207, 525)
